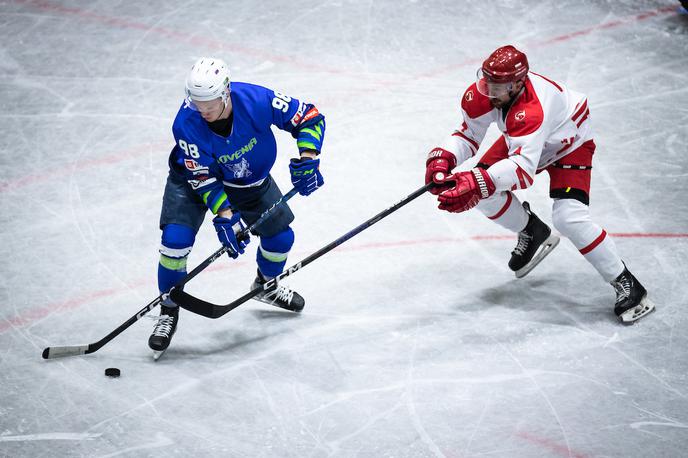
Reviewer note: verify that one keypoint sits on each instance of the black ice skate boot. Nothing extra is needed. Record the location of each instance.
(165, 328)
(535, 242)
(631, 298)
(280, 296)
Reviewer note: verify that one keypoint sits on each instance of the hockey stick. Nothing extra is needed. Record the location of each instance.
(73, 350)
(209, 310)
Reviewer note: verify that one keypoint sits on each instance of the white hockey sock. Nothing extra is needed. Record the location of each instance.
(505, 209)
(605, 258)
(572, 219)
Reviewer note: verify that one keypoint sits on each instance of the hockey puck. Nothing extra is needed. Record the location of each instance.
(112, 372)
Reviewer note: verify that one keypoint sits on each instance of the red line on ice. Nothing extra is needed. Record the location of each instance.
(560, 38)
(195, 40)
(136, 152)
(31, 316)
(608, 25)
(550, 444)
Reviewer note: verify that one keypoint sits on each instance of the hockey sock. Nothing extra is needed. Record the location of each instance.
(505, 209)
(572, 219)
(177, 241)
(273, 251)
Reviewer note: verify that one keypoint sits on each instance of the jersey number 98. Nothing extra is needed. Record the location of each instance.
(189, 149)
(281, 101)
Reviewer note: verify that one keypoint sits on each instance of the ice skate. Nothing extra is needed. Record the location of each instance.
(280, 296)
(535, 242)
(631, 298)
(164, 330)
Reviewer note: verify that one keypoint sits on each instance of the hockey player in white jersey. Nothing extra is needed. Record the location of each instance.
(545, 126)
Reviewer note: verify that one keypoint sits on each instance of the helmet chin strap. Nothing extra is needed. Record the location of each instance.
(223, 110)
(225, 101)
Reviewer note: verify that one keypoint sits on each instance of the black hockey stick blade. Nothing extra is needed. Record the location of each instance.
(210, 310)
(196, 305)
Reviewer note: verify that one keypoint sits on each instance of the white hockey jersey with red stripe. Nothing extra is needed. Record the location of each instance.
(545, 123)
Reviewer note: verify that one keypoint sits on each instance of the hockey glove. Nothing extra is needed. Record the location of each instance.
(438, 166)
(470, 188)
(305, 175)
(227, 230)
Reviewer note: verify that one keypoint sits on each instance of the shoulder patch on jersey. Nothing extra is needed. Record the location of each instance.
(296, 119)
(199, 172)
(474, 103)
(526, 115)
(191, 164)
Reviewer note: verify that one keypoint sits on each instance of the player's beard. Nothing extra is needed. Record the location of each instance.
(498, 103)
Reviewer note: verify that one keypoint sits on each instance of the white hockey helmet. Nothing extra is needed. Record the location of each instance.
(208, 80)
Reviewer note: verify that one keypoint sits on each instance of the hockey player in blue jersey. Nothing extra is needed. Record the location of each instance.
(221, 162)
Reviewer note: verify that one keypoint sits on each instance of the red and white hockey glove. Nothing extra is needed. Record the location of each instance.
(470, 188)
(438, 166)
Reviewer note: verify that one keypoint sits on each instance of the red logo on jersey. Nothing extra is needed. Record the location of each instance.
(191, 164)
(520, 116)
(299, 114)
(469, 96)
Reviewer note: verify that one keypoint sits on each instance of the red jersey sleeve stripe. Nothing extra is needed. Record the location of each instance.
(472, 142)
(580, 110)
(585, 116)
(524, 179)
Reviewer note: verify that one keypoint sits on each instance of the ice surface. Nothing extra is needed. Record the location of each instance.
(416, 339)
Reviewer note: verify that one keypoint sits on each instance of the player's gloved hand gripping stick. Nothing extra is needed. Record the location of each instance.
(72, 350)
(201, 307)
(229, 232)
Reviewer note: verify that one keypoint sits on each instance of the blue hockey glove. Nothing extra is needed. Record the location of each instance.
(227, 230)
(305, 175)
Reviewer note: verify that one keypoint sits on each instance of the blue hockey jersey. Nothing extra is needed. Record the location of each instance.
(210, 161)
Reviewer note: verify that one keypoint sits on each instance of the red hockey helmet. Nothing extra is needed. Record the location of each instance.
(500, 70)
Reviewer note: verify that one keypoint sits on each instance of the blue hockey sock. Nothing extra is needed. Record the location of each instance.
(273, 251)
(177, 241)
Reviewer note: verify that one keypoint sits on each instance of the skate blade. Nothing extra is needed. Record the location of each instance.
(545, 249)
(158, 354)
(630, 316)
(275, 304)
